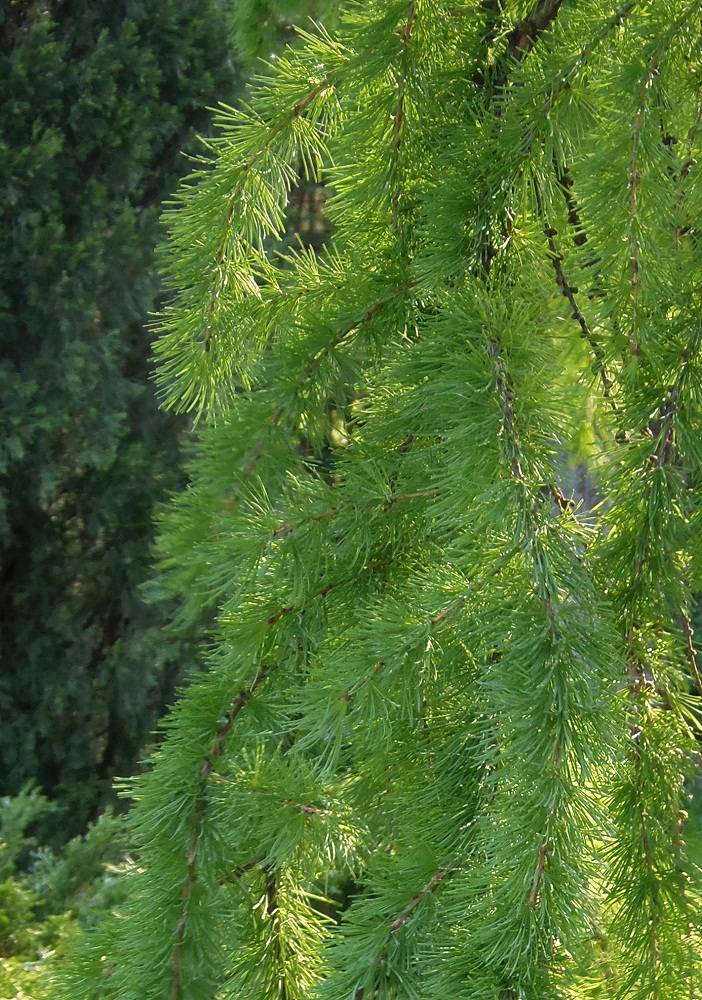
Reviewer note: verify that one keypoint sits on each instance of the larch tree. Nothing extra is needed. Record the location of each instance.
(440, 749)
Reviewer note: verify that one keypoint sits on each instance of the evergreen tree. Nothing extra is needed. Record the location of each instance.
(440, 747)
(98, 101)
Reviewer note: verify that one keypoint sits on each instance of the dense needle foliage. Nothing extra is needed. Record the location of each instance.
(440, 748)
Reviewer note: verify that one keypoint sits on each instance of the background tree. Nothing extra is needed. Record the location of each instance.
(99, 100)
(440, 747)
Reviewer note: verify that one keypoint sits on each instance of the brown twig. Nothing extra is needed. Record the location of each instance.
(286, 529)
(289, 608)
(307, 810)
(344, 333)
(405, 34)
(563, 82)
(353, 690)
(521, 41)
(663, 434)
(565, 184)
(271, 892)
(241, 870)
(564, 504)
(523, 38)
(403, 918)
(634, 181)
(538, 874)
(414, 902)
(569, 292)
(277, 415)
(687, 166)
(504, 389)
(498, 566)
(691, 655)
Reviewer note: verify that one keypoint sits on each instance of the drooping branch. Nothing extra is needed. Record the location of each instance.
(235, 198)
(259, 447)
(506, 395)
(405, 916)
(569, 292)
(214, 752)
(414, 902)
(563, 82)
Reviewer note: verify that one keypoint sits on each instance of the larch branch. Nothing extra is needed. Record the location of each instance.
(569, 292)
(691, 654)
(214, 752)
(414, 902)
(506, 394)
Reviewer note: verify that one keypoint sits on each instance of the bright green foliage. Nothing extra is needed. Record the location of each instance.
(439, 750)
(98, 101)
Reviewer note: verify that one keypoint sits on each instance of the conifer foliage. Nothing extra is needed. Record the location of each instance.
(440, 748)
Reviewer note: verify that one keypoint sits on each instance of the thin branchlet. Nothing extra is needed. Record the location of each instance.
(398, 125)
(417, 899)
(569, 292)
(691, 654)
(403, 918)
(324, 591)
(214, 752)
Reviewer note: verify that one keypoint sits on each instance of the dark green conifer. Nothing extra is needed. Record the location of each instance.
(98, 101)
